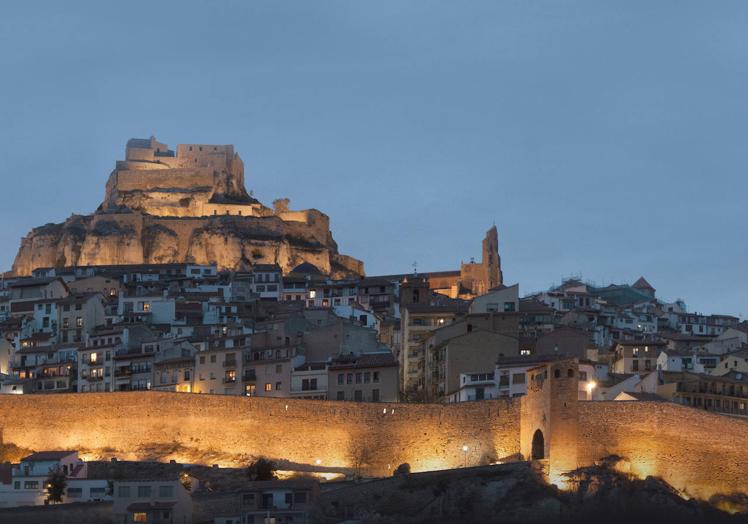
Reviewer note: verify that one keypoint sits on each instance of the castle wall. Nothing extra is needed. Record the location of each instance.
(696, 452)
(150, 179)
(229, 430)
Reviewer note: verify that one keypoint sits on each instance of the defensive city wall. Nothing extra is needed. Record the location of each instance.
(698, 453)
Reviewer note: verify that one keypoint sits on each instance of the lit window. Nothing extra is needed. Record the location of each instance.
(140, 517)
(268, 387)
(93, 358)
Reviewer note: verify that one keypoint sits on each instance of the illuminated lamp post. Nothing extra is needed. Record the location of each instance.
(465, 451)
(591, 385)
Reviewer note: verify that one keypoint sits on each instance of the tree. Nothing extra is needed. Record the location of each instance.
(262, 469)
(360, 455)
(56, 483)
(403, 470)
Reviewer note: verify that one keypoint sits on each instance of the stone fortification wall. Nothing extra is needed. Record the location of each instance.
(230, 430)
(700, 454)
(150, 179)
(696, 452)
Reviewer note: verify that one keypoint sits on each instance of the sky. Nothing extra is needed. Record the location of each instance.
(605, 139)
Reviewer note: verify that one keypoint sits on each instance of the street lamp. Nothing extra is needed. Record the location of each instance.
(590, 386)
(465, 451)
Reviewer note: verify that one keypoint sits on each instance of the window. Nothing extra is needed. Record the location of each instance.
(279, 368)
(376, 376)
(367, 377)
(299, 497)
(268, 386)
(78, 322)
(17, 484)
(504, 380)
(140, 517)
(358, 378)
(202, 359)
(341, 379)
(570, 373)
(212, 359)
(509, 307)
(358, 395)
(340, 396)
(31, 484)
(375, 395)
(248, 499)
(123, 491)
(556, 373)
(97, 493)
(75, 493)
(166, 491)
(635, 365)
(289, 498)
(277, 386)
(518, 378)
(144, 491)
(349, 378)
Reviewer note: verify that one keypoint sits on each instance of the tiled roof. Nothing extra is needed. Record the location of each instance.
(639, 395)
(643, 284)
(364, 360)
(47, 455)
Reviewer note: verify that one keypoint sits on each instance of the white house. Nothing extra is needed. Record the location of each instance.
(28, 486)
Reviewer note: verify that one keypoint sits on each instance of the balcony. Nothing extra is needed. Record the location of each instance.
(122, 372)
(229, 363)
(249, 376)
(94, 378)
(229, 380)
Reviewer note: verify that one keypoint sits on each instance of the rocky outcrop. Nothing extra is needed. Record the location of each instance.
(231, 242)
(161, 207)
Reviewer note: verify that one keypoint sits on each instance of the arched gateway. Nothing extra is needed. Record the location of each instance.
(538, 445)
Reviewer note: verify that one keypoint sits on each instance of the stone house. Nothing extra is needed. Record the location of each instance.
(279, 501)
(366, 377)
(635, 356)
(465, 353)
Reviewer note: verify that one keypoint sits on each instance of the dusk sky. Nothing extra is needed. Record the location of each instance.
(607, 141)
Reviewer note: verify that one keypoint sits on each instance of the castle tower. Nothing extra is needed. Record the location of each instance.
(491, 260)
(550, 417)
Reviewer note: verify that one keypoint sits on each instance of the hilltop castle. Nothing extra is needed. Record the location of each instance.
(191, 205)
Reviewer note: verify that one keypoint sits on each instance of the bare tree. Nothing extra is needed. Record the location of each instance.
(360, 455)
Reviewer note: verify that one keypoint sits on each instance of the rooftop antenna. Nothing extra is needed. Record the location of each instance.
(415, 267)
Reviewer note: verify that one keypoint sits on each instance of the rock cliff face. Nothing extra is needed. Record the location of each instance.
(161, 207)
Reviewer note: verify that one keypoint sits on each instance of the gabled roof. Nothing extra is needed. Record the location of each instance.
(47, 455)
(643, 284)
